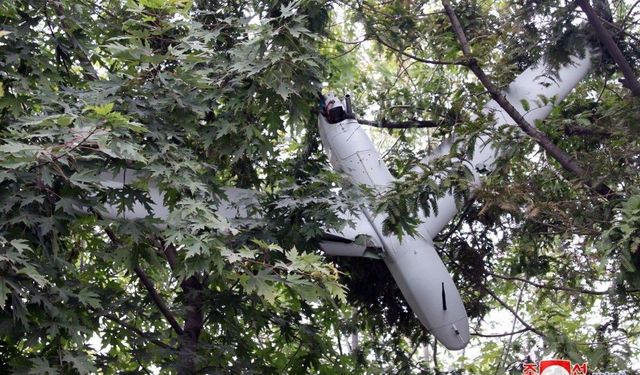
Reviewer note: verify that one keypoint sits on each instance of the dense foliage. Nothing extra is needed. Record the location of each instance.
(203, 95)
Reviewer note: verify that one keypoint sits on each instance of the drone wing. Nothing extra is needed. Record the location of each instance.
(359, 239)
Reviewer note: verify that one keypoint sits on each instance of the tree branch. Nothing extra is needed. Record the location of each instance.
(552, 149)
(89, 71)
(411, 124)
(153, 293)
(193, 324)
(513, 328)
(523, 330)
(410, 55)
(193, 290)
(620, 30)
(558, 288)
(194, 315)
(157, 299)
(137, 331)
(515, 314)
(170, 253)
(573, 129)
(630, 79)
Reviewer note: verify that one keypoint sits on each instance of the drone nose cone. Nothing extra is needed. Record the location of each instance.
(454, 336)
(429, 290)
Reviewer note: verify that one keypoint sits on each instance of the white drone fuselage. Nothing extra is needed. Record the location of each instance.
(413, 261)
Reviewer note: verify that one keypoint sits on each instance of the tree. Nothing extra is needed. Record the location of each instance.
(194, 96)
(199, 96)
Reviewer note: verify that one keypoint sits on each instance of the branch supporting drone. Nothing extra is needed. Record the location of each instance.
(514, 313)
(565, 160)
(411, 124)
(630, 79)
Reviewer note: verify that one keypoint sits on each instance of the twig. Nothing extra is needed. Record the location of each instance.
(620, 30)
(435, 357)
(513, 327)
(489, 335)
(138, 332)
(53, 35)
(351, 49)
(89, 71)
(558, 288)
(358, 42)
(572, 129)
(629, 13)
(107, 11)
(63, 154)
(515, 314)
(410, 55)
(286, 366)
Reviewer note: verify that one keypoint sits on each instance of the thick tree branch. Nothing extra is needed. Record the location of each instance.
(170, 253)
(572, 129)
(631, 81)
(157, 299)
(153, 293)
(193, 324)
(411, 124)
(559, 155)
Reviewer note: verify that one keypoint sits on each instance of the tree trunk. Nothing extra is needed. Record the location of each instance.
(193, 323)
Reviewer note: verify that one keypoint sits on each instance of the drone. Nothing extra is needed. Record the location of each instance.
(413, 261)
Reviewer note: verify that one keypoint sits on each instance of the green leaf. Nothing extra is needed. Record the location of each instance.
(89, 298)
(284, 90)
(20, 245)
(40, 366)
(259, 284)
(80, 363)
(288, 9)
(85, 180)
(121, 149)
(32, 273)
(12, 147)
(101, 110)
(336, 290)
